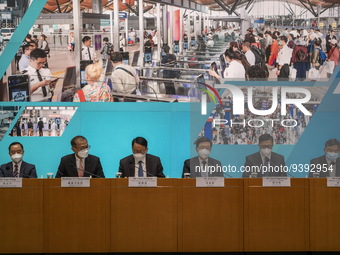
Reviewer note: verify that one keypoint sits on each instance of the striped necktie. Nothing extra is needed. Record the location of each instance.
(15, 173)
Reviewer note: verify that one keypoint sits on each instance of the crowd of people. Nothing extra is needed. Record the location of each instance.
(235, 132)
(292, 55)
(39, 127)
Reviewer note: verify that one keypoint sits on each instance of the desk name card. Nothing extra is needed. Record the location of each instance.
(75, 182)
(276, 182)
(209, 181)
(10, 182)
(333, 181)
(142, 181)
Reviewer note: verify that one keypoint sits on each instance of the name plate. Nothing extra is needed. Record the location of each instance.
(333, 181)
(10, 182)
(276, 182)
(142, 181)
(71, 182)
(209, 181)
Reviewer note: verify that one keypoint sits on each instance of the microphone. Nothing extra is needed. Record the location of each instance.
(147, 173)
(91, 174)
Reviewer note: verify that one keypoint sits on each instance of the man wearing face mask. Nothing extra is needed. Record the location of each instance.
(17, 167)
(202, 165)
(330, 160)
(80, 163)
(141, 164)
(265, 162)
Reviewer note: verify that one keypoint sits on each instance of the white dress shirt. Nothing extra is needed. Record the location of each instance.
(285, 55)
(85, 53)
(38, 96)
(24, 62)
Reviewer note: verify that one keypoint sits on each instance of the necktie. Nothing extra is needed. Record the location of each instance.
(88, 50)
(204, 173)
(15, 173)
(81, 169)
(140, 169)
(44, 90)
(266, 163)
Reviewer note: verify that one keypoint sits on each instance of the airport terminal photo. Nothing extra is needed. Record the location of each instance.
(170, 126)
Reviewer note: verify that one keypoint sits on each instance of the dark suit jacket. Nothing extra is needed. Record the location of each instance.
(190, 166)
(68, 167)
(26, 170)
(256, 160)
(154, 166)
(320, 161)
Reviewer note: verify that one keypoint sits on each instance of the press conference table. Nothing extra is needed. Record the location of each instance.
(176, 216)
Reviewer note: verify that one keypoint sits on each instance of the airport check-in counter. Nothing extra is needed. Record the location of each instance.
(154, 79)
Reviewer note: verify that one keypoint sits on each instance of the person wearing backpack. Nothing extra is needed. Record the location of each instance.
(107, 50)
(124, 77)
(300, 59)
(248, 53)
(316, 61)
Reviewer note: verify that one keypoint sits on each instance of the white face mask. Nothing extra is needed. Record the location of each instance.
(265, 152)
(138, 156)
(332, 156)
(203, 153)
(83, 153)
(17, 157)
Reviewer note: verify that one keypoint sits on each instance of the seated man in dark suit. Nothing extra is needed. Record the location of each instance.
(17, 167)
(202, 165)
(80, 163)
(141, 164)
(327, 165)
(265, 162)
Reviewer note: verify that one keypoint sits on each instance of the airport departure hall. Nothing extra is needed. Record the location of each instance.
(170, 126)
